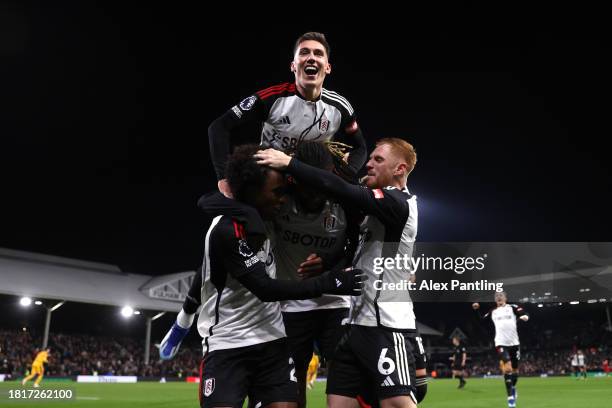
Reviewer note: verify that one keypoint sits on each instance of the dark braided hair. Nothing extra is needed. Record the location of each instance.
(315, 154)
(242, 172)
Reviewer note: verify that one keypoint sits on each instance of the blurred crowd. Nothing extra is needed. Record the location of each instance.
(73, 355)
(545, 349)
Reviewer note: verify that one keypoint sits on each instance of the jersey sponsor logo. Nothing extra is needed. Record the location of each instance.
(248, 103)
(244, 249)
(287, 142)
(251, 261)
(237, 111)
(378, 193)
(309, 240)
(209, 387)
(351, 128)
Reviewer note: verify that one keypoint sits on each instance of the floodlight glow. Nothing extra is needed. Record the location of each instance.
(25, 301)
(540, 305)
(38, 303)
(137, 312)
(127, 311)
(592, 301)
(574, 302)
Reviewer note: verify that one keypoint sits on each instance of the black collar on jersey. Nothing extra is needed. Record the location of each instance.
(214, 204)
(299, 95)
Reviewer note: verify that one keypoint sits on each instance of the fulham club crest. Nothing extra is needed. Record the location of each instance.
(323, 124)
(209, 387)
(329, 222)
(244, 249)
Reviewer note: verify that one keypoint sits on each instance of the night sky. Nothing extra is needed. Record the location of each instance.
(104, 111)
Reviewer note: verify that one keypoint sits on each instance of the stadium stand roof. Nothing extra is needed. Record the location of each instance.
(51, 277)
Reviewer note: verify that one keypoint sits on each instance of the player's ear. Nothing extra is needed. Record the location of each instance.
(328, 69)
(401, 169)
(292, 66)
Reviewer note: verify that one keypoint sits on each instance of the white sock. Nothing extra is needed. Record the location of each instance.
(184, 320)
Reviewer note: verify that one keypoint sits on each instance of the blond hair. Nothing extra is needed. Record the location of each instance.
(404, 149)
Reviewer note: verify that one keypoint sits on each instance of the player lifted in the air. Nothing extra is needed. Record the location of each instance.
(293, 112)
(507, 342)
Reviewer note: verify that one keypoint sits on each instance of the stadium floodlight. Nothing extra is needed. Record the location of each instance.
(592, 301)
(574, 302)
(540, 305)
(136, 312)
(38, 303)
(25, 301)
(127, 311)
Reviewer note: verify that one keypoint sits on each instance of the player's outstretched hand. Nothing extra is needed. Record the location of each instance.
(347, 281)
(172, 342)
(273, 158)
(475, 306)
(312, 266)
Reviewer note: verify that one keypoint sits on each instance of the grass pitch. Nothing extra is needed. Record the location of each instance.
(479, 393)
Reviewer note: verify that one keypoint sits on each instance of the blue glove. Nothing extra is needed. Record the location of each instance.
(172, 342)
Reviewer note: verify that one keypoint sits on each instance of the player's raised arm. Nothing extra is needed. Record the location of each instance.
(478, 311)
(388, 169)
(251, 109)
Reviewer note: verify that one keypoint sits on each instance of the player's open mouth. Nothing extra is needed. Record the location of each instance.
(311, 70)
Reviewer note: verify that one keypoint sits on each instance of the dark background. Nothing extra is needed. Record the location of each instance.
(104, 111)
